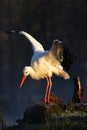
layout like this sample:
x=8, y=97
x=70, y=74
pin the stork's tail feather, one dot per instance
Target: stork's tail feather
x=64, y=74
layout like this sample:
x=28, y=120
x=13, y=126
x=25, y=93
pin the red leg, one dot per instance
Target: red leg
x=50, y=86
x=47, y=88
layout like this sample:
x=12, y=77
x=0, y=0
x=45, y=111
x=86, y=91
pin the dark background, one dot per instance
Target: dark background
x=45, y=20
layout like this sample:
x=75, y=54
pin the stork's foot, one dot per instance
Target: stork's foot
x=45, y=101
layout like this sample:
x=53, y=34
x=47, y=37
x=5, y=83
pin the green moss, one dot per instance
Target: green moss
x=55, y=122
x=70, y=107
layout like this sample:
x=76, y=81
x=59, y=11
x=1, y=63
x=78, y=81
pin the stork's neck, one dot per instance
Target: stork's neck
x=35, y=44
x=31, y=71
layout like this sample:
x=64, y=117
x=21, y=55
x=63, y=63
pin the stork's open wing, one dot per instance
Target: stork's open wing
x=63, y=54
x=57, y=50
x=35, y=44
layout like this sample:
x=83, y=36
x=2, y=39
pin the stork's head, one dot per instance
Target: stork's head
x=26, y=72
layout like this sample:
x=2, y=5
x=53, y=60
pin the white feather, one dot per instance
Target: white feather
x=35, y=44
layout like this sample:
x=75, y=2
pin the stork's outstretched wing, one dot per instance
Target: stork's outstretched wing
x=57, y=50
x=35, y=44
x=63, y=54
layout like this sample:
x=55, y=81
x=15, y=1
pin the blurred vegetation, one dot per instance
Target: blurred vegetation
x=70, y=107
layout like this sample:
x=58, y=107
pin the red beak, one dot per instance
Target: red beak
x=22, y=81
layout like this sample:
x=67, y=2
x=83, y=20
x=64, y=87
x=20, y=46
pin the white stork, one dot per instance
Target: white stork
x=44, y=63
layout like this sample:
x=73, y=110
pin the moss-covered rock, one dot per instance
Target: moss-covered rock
x=41, y=111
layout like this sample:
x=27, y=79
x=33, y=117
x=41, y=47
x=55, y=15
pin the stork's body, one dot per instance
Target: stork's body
x=44, y=63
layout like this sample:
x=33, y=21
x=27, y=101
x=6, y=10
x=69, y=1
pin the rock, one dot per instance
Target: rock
x=78, y=94
x=82, y=107
x=41, y=111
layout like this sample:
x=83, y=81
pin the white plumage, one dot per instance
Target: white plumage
x=35, y=44
x=44, y=63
